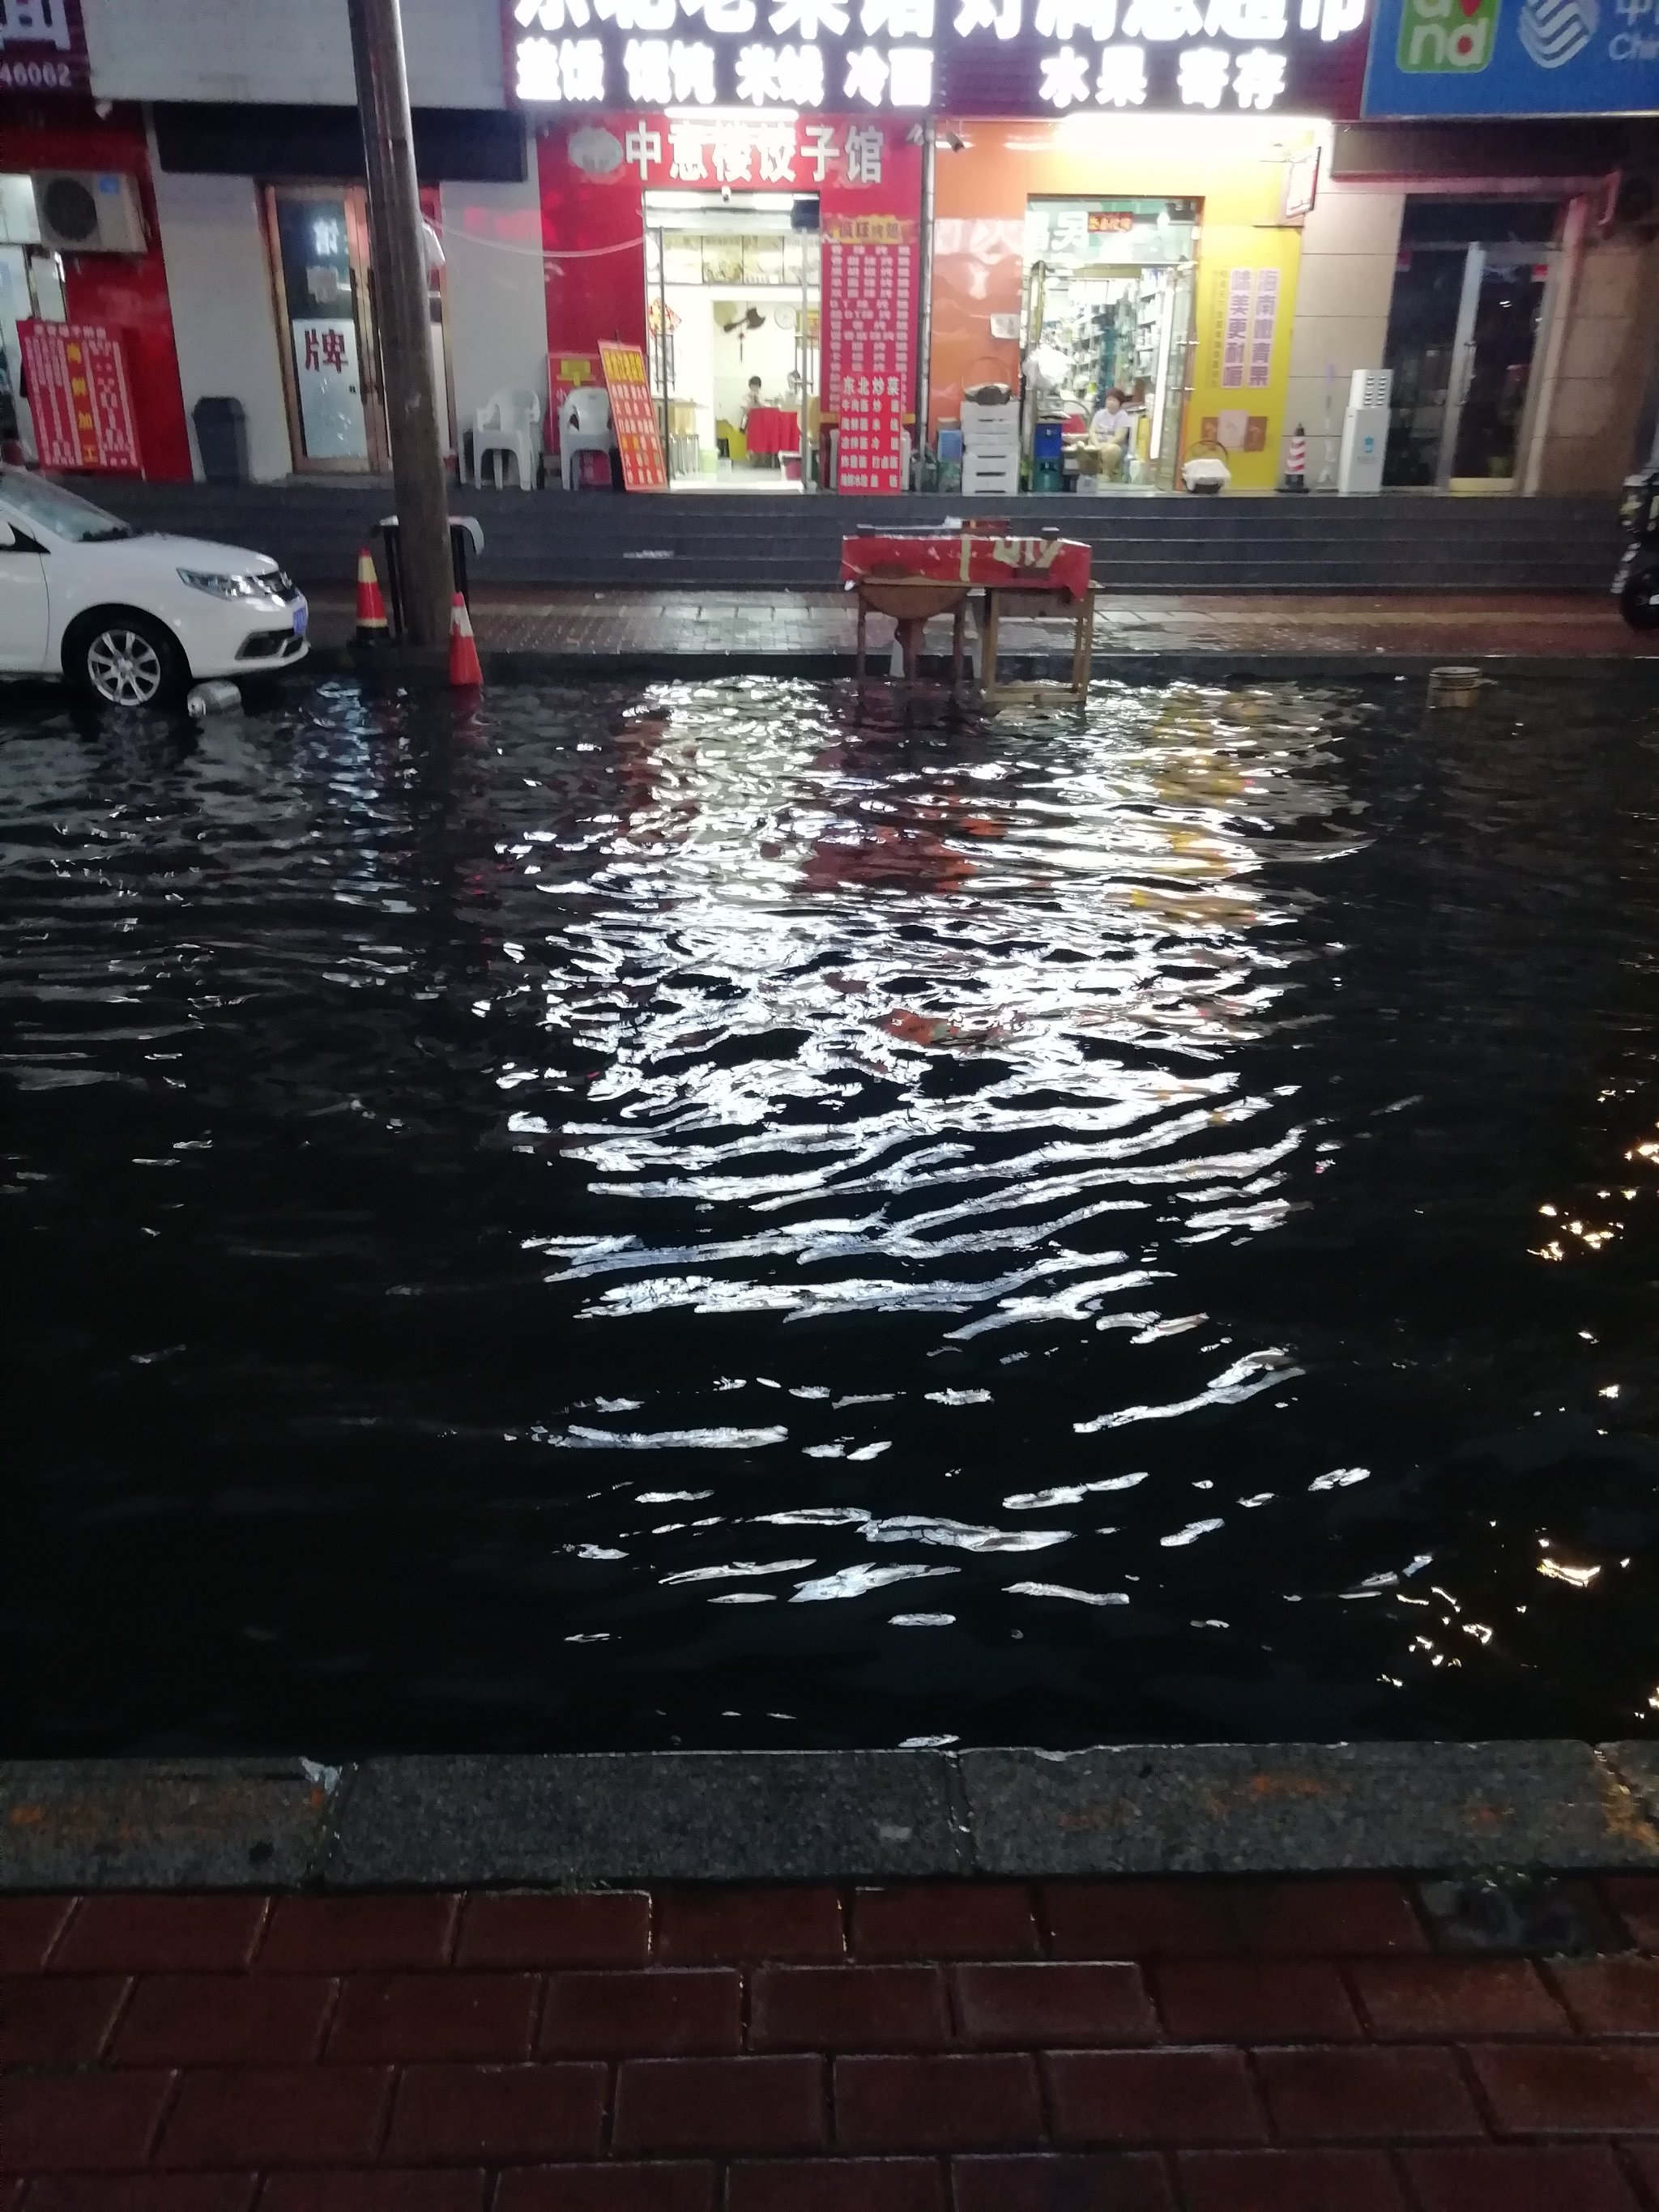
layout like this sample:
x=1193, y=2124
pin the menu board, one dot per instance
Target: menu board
x=79, y=399
x=632, y=417
x=869, y=345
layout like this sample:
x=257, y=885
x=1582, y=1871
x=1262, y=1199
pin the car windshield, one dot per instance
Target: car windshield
x=33, y=499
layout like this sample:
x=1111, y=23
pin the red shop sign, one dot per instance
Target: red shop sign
x=43, y=46
x=869, y=293
x=80, y=396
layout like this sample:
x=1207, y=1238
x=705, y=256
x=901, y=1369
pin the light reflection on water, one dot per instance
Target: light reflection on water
x=507, y=1213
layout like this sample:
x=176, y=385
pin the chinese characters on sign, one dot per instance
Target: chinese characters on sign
x=79, y=399
x=1247, y=338
x=869, y=283
x=1043, y=55
x=730, y=150
x=43, y=46
x=634, y=417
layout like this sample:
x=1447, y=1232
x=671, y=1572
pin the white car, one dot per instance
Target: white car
x=133, y=616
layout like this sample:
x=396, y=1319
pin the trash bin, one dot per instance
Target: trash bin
x=222, y=439
x=464, y=532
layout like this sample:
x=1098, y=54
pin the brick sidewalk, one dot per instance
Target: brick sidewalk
x=609, y=622
x=1341, y=2044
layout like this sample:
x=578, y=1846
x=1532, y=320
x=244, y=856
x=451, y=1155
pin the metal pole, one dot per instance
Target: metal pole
x=925, y=303
x=401, y=316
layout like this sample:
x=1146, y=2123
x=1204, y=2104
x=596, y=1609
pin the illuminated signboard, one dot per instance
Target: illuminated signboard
x=43, y=46
x=956, y=57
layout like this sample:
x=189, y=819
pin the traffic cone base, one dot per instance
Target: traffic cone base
x=371, y=626
x=464, y=673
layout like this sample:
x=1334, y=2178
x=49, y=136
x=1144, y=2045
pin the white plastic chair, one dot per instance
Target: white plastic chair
x=584, y=428
x=508, y=425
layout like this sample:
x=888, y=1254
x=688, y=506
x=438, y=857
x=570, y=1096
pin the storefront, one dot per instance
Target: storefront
x=1526, y=279
x=1133, y=225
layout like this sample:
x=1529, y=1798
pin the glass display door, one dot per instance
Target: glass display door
x=319, y=258
x=1462, y=338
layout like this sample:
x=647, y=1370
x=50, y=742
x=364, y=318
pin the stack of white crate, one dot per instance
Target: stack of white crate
x=990, y=446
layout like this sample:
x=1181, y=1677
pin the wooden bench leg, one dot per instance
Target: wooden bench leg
x=863, y=612
x=958, y=632
x=988, y=646
x=1083, y=651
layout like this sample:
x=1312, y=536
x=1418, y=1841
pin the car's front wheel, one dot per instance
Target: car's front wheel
x=126, y=659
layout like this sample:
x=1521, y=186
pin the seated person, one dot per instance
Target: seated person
x=752, y=400
x=1113, y=422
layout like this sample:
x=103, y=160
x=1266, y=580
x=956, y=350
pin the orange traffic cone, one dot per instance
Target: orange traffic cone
x=372, y=628
x=464, y=673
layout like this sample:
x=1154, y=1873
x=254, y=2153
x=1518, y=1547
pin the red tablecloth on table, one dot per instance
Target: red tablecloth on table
x=773, y=430
x=1031, y=564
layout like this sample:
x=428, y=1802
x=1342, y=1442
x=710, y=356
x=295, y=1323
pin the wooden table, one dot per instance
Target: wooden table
x=912, y=601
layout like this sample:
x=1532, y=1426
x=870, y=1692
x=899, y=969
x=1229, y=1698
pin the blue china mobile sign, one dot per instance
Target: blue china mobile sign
x=1513, y=58
x=958, y=57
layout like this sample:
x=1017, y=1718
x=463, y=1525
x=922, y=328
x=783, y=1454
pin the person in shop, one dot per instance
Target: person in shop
x=1112, y=423
x=752, y=400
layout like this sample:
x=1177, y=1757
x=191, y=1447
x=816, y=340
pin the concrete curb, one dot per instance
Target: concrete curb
x=1218, y=664
x=581, y=1819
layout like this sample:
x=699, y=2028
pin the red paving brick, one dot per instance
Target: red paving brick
x=526, y=1930
x=945, y=1920
x=454, y=2015
x=117, y=1935
x=1105, y=2047
x=143, y=2192
x=1611, y=1996
x=49, y=2020
x=1139, y=1919
x=375, y=2192
x=1069, y=2004
x=1254, y=2001
x=1581, y=2177
x=944, y=2103
x=1361, y=2096
x=1439, y=1998
x=670, y=2186
x=1289, y=2181
x=276, y=2116
x=661, y=2013
x=703, y=1926
x=1635, y=1898
x=842, y=2184
x=29, y=1926
x=1153, y=2097
x=473, y=2115
x=849, y=2009
x=224, y=2019
x=362, y=1934
x=85, y=2123
x=1556, y=2088
x=714, y=2105
x=1126, y=2181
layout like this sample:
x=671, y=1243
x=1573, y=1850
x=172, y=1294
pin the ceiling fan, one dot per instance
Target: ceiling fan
x=751, y=320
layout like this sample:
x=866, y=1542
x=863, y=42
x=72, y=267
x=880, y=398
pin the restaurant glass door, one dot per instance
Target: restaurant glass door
x=318, y=238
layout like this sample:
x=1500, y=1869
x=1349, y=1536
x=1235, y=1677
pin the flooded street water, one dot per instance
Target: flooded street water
x=670, y=1215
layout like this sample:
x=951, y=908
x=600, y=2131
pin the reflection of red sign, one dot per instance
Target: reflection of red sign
x=632, y=417
x=1110, y=219
x=869, y=285
x=43, y=46
x=79, y=399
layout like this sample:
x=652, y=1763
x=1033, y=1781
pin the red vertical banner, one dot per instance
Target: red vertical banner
x=869, y=346
x=79, y=398
x=632, y=417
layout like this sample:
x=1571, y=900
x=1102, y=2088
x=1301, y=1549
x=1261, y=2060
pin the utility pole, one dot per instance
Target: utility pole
x=398, y=250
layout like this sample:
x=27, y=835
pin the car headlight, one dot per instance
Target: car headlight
x=228, y=587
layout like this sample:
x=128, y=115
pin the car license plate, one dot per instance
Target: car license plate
x=300, y=619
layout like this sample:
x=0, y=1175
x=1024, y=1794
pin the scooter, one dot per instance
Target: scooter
x=1636, y=584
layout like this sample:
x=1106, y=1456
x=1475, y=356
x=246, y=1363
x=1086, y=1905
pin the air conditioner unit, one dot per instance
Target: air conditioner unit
x=89, y=211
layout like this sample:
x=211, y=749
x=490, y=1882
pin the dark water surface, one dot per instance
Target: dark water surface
x=670, y=1217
